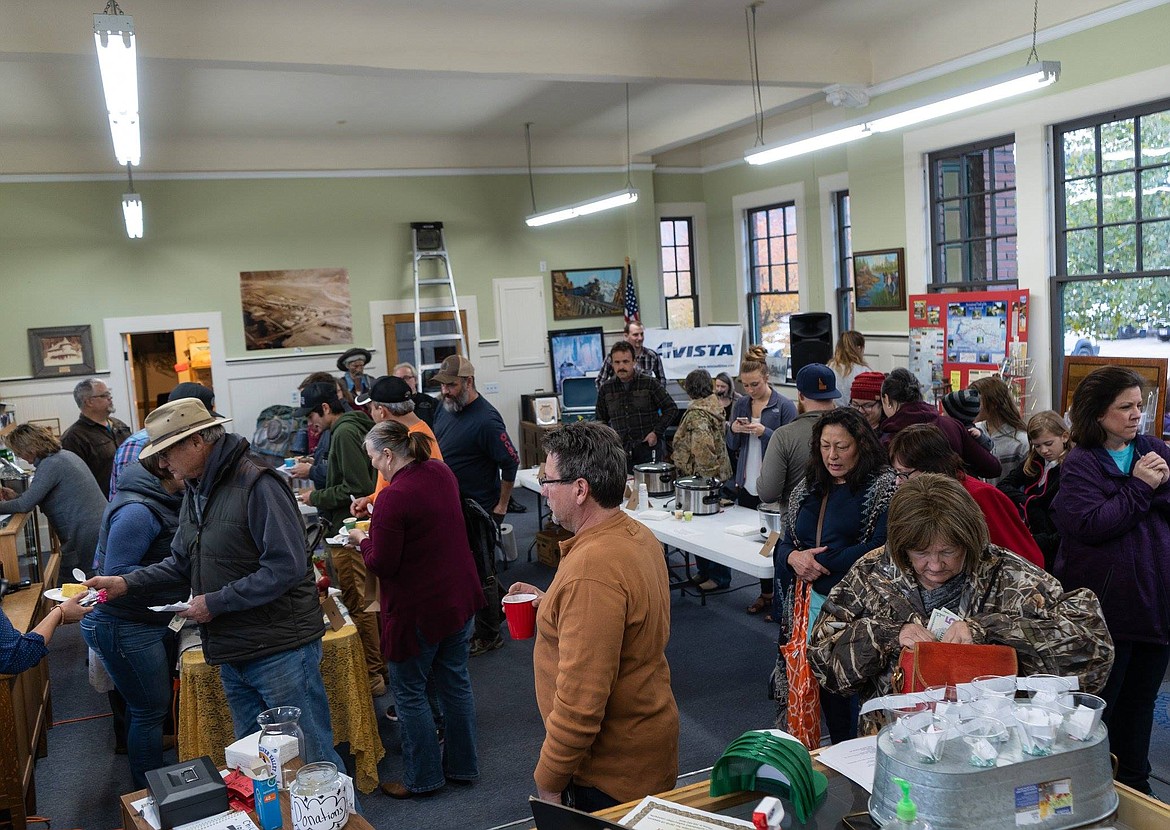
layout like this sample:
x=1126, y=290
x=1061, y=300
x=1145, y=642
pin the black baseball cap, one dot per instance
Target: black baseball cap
x=817, y=382
x=386, y=389
x=315, y=394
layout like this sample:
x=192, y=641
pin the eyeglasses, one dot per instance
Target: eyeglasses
x=106, y=395
x=162, y=454
x=903, y=475
x=542, y=481
x=864, y=406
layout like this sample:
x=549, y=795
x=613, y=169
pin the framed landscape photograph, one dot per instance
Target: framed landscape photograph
x=879, y=280
x=62, y=350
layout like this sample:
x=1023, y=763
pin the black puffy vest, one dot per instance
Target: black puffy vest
x=221, y=550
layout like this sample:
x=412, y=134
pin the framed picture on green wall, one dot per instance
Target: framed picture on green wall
x=879, y=280
x=587, y=292
x=62, y=350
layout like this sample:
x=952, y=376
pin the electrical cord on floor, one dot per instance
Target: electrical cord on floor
x=82, y=718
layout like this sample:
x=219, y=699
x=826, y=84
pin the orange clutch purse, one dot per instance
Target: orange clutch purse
x=935, y=664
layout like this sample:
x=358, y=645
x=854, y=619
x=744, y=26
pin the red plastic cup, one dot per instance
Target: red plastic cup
x=521, y=615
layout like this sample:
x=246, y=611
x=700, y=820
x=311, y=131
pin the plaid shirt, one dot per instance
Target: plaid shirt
x=128, y=452
x=635, y=409
x=648, y=363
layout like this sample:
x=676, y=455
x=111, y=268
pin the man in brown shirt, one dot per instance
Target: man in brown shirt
x=602, y=680
x=96, y=434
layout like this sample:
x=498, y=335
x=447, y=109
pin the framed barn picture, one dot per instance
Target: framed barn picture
x=62, y=350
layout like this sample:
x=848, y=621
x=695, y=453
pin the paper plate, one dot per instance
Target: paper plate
x=56, y=596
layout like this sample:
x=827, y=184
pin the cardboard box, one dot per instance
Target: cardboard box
x=548, y=541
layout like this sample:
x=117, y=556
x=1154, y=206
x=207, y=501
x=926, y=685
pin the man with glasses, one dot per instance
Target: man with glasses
x=425, y=406
x=602, y=679
x=96, y=435
x=240, y=547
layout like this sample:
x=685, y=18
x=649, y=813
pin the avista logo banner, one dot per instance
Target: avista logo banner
x=714, y=348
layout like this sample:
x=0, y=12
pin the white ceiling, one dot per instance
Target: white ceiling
x=285, y=85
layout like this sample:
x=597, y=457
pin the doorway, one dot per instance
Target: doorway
x=159, y=360
x=398, y=331
x=118, y=330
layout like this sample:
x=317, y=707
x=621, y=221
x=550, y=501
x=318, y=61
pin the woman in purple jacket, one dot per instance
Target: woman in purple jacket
x=1113, y=513
x=429, y=590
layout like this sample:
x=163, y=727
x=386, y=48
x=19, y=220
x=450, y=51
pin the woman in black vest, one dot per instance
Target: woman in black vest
x=134, y=643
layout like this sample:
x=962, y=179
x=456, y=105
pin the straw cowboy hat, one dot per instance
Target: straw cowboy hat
x=174, y=421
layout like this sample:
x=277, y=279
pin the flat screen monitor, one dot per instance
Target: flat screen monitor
x=575, y=353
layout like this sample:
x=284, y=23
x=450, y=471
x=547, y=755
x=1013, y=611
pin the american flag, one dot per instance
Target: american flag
x=631, y=297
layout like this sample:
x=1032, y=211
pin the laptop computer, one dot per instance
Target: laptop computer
x=550, y=816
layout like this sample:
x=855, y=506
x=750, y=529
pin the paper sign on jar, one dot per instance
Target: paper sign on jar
x=323, y=810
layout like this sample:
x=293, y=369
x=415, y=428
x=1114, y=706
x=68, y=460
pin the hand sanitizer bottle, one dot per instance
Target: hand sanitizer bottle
x=907, y=811
x=643, y=498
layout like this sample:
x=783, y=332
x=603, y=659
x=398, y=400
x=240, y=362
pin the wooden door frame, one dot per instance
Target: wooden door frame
x=391, y=319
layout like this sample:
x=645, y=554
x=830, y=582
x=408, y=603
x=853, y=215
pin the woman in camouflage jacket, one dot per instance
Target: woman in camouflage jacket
x=700, y=448
x=937, y=555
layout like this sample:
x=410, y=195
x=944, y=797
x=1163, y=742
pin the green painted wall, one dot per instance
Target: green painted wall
x=65, y=258
x=876, y=168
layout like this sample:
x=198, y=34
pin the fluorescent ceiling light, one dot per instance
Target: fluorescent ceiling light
x=594, y=205
x=132, y=210
x=113, y=35
x=767, y=155
x=1017, y=82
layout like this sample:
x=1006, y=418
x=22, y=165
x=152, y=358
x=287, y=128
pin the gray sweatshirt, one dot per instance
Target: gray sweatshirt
x=67, y=492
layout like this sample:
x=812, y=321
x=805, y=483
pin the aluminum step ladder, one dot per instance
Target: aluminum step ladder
x=429, y=245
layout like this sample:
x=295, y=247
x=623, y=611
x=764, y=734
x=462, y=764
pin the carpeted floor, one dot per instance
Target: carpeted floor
x=719, y=656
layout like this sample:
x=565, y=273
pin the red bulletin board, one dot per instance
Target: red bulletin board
x=979, y=329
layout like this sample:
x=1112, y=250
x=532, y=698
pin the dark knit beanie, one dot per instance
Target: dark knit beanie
x=962, y=405
x=867, y=386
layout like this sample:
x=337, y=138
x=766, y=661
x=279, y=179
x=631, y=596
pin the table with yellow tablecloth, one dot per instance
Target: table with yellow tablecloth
x=205, y=722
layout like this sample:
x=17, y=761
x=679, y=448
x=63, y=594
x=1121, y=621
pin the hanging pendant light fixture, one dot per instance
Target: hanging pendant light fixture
x=113, y=34
x=1028, y=78
x=132, y=209
x=625, y=196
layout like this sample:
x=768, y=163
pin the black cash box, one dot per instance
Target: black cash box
x=187, y=792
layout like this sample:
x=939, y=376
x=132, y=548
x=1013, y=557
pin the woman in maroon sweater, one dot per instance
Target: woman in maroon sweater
x=417, y=546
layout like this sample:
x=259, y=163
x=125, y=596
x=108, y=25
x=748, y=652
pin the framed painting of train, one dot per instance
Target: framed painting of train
x=587, y=292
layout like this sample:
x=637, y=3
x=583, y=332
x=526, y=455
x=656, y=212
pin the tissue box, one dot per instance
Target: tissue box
x=244, y=754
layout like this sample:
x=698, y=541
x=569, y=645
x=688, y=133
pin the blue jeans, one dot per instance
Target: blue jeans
x=138, y=659
x=287, y=678
x=720, y=574
x=423, y=765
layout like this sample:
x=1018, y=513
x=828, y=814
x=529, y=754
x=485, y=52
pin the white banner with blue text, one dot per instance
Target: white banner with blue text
x=714, y=348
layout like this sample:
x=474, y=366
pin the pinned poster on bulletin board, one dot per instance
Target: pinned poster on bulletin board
x=978, y=332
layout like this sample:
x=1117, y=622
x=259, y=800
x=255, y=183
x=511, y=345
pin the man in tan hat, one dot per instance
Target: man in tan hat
x=476, y=446
x=240, y=546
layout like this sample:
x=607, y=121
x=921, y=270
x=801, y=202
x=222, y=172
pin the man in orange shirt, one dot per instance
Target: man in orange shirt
x=390, y=400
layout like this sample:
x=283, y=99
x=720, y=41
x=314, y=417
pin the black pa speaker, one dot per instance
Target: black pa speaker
x=428, y=235
x=812, y=339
